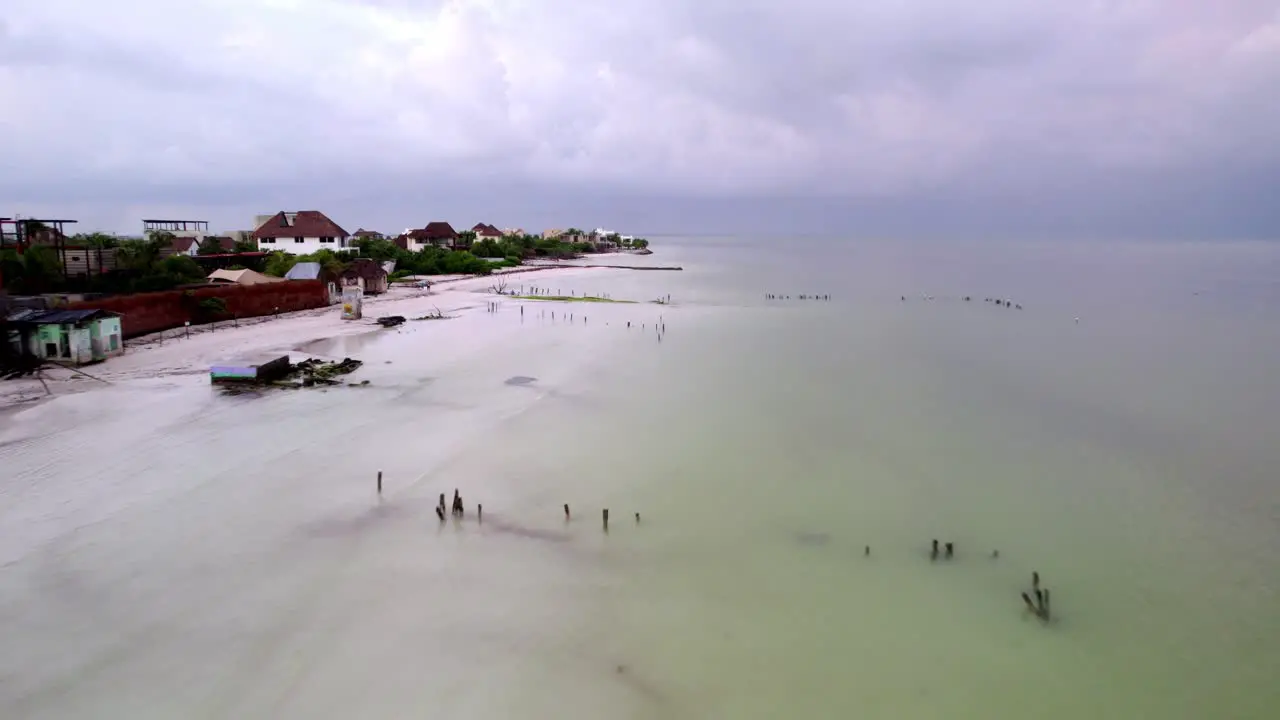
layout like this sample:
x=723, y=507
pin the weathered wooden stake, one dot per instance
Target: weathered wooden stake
x=479, y=512
x=637, y=518
x=1046, y=603
x=379, y=482
x=933, y=554
x=566, y=512
x=440, y=513
x=950, y=551
x=866, y=552
x=1035, y=579
x=1030, y=605
x=606, y=518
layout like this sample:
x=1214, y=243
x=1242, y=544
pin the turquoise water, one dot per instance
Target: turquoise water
x=204, y=556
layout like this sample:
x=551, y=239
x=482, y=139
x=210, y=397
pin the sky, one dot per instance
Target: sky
x=1097, y=118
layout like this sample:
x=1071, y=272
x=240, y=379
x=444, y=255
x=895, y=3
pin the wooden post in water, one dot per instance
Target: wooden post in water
x=379, y=482
x=479, y=512
x=637, y=518
x=566, y=512
x=605, y=515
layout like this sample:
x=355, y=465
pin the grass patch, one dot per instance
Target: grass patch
x=571, y=298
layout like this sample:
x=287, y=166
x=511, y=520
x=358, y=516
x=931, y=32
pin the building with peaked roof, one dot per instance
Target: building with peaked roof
x=435, y=234
x=71, y=336
x=367, y=274
x=363, y=234
x=301, y=233
x=485, y=231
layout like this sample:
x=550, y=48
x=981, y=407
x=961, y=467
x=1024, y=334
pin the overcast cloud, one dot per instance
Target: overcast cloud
x=911, y=116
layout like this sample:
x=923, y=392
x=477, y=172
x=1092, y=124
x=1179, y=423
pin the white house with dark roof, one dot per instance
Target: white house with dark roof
x=301, y=233
x=484, y=231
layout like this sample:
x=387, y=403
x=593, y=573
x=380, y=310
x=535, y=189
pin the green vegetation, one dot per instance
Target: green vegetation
x=140, y=267
x=210, y=246
x=35, y=271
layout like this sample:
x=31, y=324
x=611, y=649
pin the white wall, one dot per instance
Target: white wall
x=302, y=246
x=416, y=245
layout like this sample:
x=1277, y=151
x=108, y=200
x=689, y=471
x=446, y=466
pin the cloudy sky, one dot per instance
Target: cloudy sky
x=913, y=117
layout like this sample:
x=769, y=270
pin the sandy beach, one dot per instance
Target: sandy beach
x=463, y=298
x=170, y=550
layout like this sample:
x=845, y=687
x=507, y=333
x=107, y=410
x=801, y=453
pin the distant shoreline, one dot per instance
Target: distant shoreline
x=191, y=351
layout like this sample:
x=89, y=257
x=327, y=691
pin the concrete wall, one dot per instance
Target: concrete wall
x=78, y=349
x=107, y=337
x=302, y=246
x=150, y=312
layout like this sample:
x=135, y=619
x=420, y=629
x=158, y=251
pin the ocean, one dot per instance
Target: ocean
x=168, y=551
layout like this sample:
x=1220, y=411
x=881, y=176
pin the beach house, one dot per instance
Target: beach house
x=367, y=274
x=435, y=234
x=76, y=337
x=484, y=231
x=300, y=233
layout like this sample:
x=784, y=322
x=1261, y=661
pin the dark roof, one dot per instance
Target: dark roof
x=181, y=244
x=485, y=229
x=364, y=267
x=58, y=317
x=435, y=231
x=362, y=233
x=306, y=223
x=224, y=242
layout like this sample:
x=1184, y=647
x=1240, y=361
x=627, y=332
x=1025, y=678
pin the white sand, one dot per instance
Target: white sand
x=174, y=353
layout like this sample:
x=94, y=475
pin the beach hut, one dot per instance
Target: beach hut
x=366, y=274
x=77, y=337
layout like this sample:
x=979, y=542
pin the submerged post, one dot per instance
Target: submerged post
x=605, y=515
x=379, y=482
x=566, y=512
x=933, y=554
x=479, y=512
x=950, y=551
x=637, y=518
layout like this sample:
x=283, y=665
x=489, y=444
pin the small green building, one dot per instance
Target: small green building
x=77, y=337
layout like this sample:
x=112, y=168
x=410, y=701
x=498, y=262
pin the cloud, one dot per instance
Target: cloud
x=143, y=101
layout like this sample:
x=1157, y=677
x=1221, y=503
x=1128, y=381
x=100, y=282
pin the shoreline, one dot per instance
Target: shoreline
x=189, y=351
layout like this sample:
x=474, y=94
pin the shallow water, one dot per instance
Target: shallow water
x=166, y=551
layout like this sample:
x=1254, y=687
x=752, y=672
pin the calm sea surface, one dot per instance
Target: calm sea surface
x=167, y=552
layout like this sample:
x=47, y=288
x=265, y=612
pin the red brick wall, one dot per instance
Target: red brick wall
x=149, y=312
